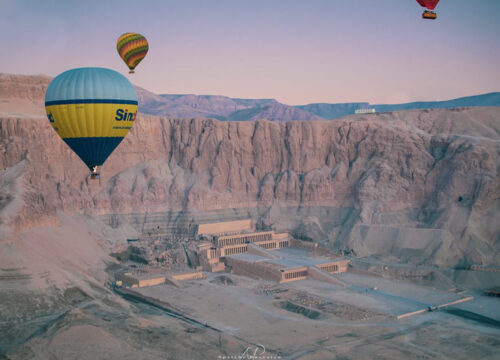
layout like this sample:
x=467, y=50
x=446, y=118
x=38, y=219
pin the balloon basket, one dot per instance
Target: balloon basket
x=430, y=15
x=131, y=72
x=94, y=173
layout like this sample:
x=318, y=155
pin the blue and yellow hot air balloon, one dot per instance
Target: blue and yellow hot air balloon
x=92, y=110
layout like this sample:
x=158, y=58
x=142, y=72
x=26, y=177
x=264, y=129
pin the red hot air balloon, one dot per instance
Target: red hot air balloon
x=431, y=5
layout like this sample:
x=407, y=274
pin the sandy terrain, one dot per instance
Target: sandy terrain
x=56, y=303
x=352, y=323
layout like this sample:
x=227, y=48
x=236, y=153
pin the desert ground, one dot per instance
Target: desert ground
x=309, y=319
x=58, y=302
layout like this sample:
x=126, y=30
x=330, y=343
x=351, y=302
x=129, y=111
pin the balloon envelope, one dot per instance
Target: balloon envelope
x=92, y=110
x=132, y=48
x=429, y=4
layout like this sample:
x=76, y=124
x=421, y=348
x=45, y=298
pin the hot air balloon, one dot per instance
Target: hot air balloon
x=431, y=5
x=132, y=48
x=92, y=110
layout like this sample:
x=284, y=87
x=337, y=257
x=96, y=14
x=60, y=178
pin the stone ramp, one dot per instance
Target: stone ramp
x=321, y=275
x=258, y=250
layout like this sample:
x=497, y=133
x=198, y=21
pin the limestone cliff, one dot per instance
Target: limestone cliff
x=422, y=184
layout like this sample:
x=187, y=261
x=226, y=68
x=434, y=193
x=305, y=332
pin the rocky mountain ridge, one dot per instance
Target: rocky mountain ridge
x=27, y=92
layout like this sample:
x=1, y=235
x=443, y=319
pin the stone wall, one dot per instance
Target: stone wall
x=334, y=267
x=257, y=270
x=151, y=281
x=294, y=274
x=242, y=238
x=224, y=227
x=234, y=249
x=134, y=281
x=188, y=276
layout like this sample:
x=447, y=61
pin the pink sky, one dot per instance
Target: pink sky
x=297, y=52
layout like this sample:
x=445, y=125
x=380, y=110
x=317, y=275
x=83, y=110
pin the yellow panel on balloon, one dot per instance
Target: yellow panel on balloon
x=91, y=119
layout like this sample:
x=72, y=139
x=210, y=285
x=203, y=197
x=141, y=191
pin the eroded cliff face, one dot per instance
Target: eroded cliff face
x=434, y=169
x=383, y=161
x=424, y=180
x=22, y=95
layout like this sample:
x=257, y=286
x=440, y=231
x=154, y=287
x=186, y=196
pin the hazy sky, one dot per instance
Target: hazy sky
x=297, y=51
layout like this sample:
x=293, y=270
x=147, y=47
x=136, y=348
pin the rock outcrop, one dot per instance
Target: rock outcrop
x=428, y=169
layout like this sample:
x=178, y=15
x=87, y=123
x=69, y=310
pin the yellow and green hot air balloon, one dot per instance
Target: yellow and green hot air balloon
x=132, y=48
x=92, y=110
